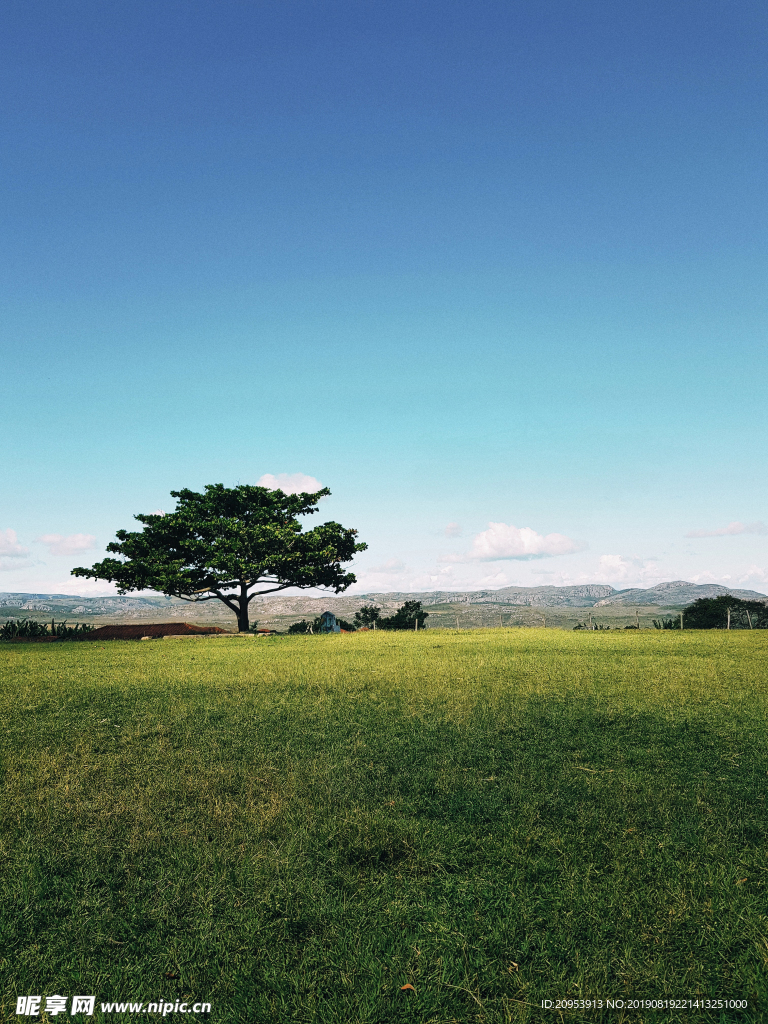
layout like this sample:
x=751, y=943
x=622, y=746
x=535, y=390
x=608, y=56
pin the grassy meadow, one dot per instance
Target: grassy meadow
x=294, y=828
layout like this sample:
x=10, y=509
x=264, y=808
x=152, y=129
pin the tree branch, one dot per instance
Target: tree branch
x=229, y=602
x=258, y=593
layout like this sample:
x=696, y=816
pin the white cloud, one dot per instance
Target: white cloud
x=392, y=565
x=754, y=574
x=290, y=483
x=622, y=571
x=12, y=554
x=731, y=530
x=76, y=587
x=494, y=580
x=705, y=576
x=627, y=569
x=60, y=545
x=9, y=563
x=501, y=541
x=9, y=545
x=395, y=575
x=453, y=530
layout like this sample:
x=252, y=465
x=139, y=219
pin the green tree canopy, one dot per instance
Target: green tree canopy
x=712, y=613
x=406, y=617
x=367, y=615
x=299, y=627
x=230, y=544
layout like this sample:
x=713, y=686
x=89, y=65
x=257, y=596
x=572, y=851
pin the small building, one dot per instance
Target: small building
x=328, y=623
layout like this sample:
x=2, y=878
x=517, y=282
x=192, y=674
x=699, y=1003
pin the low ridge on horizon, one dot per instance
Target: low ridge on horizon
x=676, y=592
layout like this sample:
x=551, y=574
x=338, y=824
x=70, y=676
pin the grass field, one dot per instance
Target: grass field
x=294, y=828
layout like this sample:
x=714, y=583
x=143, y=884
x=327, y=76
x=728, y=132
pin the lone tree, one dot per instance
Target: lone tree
x=230, y=544
x=406, y=617
x=367, y=616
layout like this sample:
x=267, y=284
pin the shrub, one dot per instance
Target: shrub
x=70, y=632
x=367, y=616
x=30, y=628
x=22, y=628
x=712, y=613
x=405, y=617
x=299, y=627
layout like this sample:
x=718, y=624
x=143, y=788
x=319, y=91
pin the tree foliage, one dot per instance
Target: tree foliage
x=22, y=628
x=313, y=627
x=299, y=627
x=231, y=545
x=405, y=617
x=712, y=613
x=30, y=628
x=366, y=616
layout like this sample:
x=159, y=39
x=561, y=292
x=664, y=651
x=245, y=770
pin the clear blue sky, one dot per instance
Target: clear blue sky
x=465, y=263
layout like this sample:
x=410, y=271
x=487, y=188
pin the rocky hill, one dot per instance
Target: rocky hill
x=483, y=604
x=539, y=597
x=677, y=593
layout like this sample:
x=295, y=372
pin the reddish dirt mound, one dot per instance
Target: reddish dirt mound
x=33, y=640
x=153, y=629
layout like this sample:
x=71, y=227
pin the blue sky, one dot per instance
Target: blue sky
x=464, y=263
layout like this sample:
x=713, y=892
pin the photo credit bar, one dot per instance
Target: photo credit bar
x=162, y=1007
x=33, y=1006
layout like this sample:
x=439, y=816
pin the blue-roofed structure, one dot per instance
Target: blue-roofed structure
x=328, y=623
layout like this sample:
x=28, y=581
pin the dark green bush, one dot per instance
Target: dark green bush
x=23, y=628
x=405, y=617
x=299, y=627
x=712, y=613
x=367, y=616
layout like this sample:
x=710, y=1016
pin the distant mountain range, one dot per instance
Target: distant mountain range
x=588, y=595
x=159, y=608
x=677, y=593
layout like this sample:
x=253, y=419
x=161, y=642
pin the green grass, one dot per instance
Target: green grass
x=297, y=827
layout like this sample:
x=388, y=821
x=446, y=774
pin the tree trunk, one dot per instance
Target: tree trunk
x=242, y=612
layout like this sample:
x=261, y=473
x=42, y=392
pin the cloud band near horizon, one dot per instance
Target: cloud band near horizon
x=502, y=541
x=731, y=530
